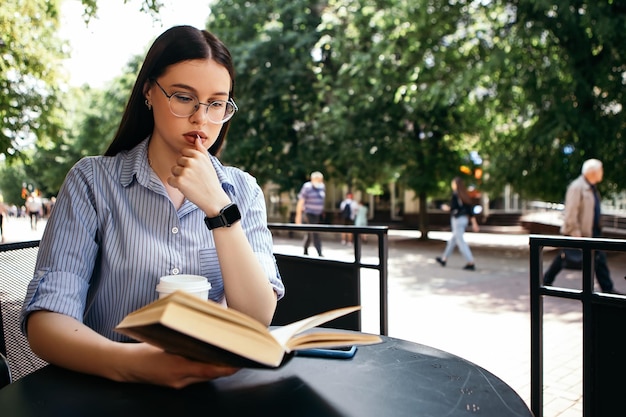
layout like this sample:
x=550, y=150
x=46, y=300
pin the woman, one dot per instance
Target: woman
x=461, y=214
x=124, y=219
x=360, y=220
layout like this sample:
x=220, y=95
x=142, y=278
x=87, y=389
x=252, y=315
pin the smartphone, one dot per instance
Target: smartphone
x=344, y=352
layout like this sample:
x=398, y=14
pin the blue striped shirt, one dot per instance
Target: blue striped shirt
x=313, y=198
x=114, y=232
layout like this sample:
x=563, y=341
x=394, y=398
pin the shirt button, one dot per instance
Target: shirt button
x=175, y=271
x=174, y=230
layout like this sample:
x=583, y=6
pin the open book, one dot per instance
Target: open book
x=205, y=331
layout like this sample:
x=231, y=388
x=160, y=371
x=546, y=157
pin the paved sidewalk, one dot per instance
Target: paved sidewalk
x=17, y=229
x=482, y=316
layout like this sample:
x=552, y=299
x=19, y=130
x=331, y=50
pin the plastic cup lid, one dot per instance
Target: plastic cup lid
x=191, y=283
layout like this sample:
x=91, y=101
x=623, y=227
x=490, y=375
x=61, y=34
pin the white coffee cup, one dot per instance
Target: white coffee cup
x=193, y=284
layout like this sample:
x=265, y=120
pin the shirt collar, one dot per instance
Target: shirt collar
x=135, y=165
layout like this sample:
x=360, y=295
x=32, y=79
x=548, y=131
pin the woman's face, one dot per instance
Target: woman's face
x=203, y=78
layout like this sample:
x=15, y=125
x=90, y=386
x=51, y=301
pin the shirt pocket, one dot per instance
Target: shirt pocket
x=210, y=268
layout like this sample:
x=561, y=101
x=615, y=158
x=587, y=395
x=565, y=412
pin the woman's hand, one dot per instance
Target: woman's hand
x=65, y=342
x=195, y=177
x=148, y=364
x=475, y=227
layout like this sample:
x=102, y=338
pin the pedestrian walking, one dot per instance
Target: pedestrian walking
x=347, y=212
x=34, y=206
x=310, y=209
x=581, y=218
x=360, y=220
x=3, y=218
x=461, y=214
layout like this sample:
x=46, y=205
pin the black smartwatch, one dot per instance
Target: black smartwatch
x=227, y=217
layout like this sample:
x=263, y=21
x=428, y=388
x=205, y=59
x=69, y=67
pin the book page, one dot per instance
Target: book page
x=326, y=339
x=284, y=333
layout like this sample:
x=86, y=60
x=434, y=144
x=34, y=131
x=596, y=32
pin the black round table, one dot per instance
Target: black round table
x=393, y=378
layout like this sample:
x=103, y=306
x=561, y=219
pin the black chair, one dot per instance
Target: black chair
x=5, y=371
x=17, y=265
x=314, y=285
x=308, y=281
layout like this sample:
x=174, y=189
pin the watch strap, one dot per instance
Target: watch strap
x=226, y=218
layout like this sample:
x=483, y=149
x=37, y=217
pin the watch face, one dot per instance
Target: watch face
x=231, y=214
x=228, y=215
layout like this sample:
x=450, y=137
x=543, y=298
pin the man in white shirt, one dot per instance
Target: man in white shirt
x=33, y=207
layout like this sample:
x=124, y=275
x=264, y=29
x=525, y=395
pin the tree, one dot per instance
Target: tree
x=31, y=98
x=271, y=44
x=562, y=75
x=12, y=177
x=400, y=81
x=93, y=119
x=30, y=107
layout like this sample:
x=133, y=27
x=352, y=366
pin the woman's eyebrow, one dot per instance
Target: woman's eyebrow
x=188, y=87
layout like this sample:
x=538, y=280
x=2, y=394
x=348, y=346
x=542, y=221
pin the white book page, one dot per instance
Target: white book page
x=284, y=333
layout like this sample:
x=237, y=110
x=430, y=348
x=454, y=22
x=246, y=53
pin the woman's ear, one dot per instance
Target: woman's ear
x=147, y=92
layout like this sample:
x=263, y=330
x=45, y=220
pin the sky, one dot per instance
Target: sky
x=100, y=50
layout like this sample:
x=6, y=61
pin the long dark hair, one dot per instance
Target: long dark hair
x=177, y=44
x=461, y=190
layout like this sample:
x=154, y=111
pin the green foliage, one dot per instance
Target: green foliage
x=30, y=107
x=399, y=82
x=93, y=116
x=358, y=89
x=271, y=46
x=563, y=66
x=367, y=91
x=11, y=179
x=151, y=7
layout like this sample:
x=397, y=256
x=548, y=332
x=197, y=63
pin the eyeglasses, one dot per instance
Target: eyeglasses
x=185, y=104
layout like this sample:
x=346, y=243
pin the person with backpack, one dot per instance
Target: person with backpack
x=347, y=210
x=310, y=209
x=461, y=215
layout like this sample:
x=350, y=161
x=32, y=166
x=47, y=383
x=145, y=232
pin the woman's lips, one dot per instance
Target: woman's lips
x=192, y=137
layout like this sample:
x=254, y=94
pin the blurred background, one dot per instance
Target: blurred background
x=389, y=99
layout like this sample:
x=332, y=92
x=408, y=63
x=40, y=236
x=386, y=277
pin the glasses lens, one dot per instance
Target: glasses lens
x=183, y=105
x=218, y=111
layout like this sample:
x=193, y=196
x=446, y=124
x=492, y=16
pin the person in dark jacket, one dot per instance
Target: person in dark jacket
x=461, y=214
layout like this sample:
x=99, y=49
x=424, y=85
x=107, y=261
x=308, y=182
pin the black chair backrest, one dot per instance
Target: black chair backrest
x=317, y=285
x=17, y=265
x=5, y=371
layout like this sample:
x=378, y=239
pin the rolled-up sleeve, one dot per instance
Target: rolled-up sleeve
x=63, y=271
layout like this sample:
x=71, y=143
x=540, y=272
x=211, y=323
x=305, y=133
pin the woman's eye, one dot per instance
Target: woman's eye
x=184, y=98
x=218, y=104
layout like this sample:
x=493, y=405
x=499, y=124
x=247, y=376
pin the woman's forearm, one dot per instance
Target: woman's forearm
x=66, y=342
x=246, y=285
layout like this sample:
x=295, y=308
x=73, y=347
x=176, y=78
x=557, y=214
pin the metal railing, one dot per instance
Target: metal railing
x=381, y=232
x=603, y=315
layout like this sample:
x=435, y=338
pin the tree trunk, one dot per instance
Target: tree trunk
x=423, y=222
